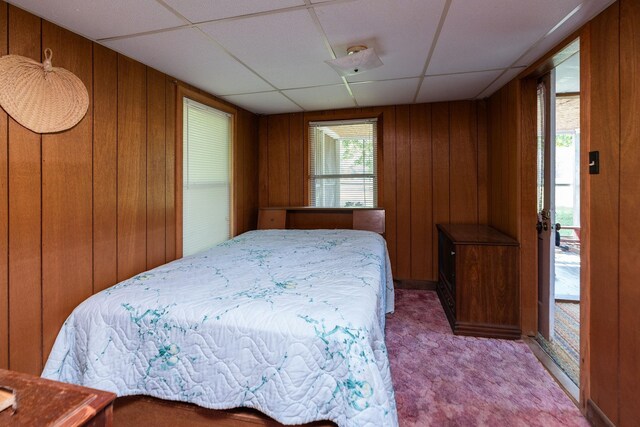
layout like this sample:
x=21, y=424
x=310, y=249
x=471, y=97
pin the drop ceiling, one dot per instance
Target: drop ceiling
x=268, y=56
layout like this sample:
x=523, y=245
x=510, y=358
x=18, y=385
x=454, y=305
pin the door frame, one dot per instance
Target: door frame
x=527, y=86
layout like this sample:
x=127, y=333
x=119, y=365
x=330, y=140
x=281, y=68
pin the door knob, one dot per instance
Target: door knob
x=558, y=226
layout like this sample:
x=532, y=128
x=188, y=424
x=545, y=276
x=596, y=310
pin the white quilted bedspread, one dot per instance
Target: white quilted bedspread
x=289, y=322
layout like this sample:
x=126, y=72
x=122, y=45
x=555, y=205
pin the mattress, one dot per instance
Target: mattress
x=289, y=322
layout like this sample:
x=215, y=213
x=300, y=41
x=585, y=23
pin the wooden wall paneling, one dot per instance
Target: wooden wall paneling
x=629, y=208
x=178, y=151
x=585, y=219
x=4, y=213
x=493, y=123
x=246, y=173
x=170, y=168
x=464, y=163
x=604, y=227
x=403, y=191
x=239, y=172
x=67, y=212
x=105, y=166
x=132, y=168
x=504, y=207
x=25, y=286
x=297, y=180
x=513, y=163
x=389, y=171
x=263, y=162
x=251, y=178
x=156, y=169
x=483, y=165
x=440, y=150
x=528, y=235
x=278, y=160
x=421, y=202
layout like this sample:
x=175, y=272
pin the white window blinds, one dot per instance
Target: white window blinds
x=206, y=178
x=343, y=164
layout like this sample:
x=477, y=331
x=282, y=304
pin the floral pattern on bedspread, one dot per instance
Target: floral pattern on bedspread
x=289, y=322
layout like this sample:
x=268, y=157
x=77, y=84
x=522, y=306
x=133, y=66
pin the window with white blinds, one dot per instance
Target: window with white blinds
x=343, y=164
x=206, y=176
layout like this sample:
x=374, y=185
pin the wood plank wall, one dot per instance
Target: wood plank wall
x=610, y=124
x=509, y=211
x=629, y=291
x=604, y=230
x=615, y=203
x=85, y=208
x=434, y=170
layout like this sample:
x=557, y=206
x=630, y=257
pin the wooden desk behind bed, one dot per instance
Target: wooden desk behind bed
x=143, y=410
x=308, y=218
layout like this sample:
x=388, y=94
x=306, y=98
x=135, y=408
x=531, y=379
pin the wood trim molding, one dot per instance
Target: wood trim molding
x=552, y=59
x=596, y=417
x=185, y=92
x=421, y=285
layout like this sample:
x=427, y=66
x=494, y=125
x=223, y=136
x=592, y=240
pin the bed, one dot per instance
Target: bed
x=288, y=322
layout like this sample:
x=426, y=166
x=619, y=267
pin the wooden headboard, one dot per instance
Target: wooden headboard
x=307, y=218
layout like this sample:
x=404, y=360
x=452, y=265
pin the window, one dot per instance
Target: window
x=206, y=177
x=343, y=164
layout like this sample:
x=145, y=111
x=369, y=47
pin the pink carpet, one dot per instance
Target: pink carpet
x=446, y=380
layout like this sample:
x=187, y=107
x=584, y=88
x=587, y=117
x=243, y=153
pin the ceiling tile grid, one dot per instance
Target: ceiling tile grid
x=482, y=35
x=400, y=31
x=268, y=56
x=321, y=97
x=208, y=10
x=264, y=103
x=96, y=19
x=455, y=87
x=285, y=48
x=210, y=68
x=386, y=92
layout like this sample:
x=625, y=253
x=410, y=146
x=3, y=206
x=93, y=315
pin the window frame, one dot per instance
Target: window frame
x=185, y=92
x=364, y=115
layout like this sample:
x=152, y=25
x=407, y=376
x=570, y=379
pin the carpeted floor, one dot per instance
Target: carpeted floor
x=446, y=380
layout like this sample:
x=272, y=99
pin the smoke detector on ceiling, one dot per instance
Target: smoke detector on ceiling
x=358, y=60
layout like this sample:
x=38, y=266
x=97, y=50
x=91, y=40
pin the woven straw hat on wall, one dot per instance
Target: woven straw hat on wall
x=39, y=96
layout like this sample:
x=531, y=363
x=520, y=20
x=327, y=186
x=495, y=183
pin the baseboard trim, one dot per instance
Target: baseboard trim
x=596, y=417
x=423, y=285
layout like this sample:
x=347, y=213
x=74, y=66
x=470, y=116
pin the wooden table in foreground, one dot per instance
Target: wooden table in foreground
x=44, y=402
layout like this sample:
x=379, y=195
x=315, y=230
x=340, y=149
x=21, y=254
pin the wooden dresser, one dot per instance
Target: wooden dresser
x=478, y=280
x=51, y=403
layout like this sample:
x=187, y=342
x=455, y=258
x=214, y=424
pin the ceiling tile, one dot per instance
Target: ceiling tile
x=101, y=19
x=321, y=98
x=400, y=31
x=511, y=74
x=584, y=14
x=207, y=10
x=193, y=58
x=389, y=92
x=285, y=48
x=454, y=87
x=264, y=103
x=482, y=35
